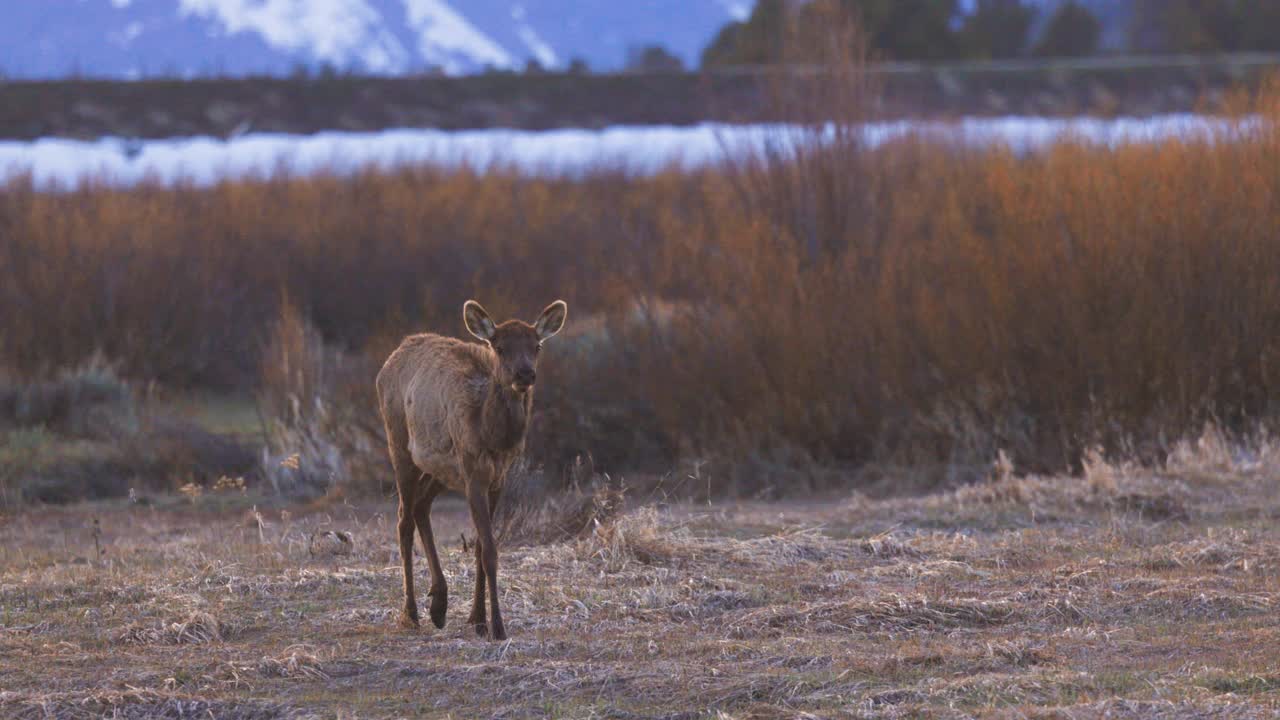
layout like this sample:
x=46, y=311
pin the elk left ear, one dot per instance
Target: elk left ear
x=477, y=321
x=551, y=319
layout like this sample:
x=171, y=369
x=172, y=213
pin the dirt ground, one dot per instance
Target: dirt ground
x=1125, y=593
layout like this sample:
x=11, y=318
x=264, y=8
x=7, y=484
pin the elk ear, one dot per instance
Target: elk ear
x=551, y=319
x=477, y=321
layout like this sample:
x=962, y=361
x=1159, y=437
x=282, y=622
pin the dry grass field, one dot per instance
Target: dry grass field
x=1121, y=593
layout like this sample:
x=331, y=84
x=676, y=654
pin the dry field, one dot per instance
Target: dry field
x=1125, y=592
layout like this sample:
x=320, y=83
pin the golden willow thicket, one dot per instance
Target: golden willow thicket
x=915, y=302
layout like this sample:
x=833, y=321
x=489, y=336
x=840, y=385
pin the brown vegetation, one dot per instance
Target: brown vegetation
x=916, y=302
x=88, y=432
x=1017, y=597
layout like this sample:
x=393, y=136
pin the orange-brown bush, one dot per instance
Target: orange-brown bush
x=916, y=301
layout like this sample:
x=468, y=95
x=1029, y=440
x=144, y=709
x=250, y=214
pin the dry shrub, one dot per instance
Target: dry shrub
x=1186, y=604
x=1229, y=551
x=196, y=628
x=637, y=537
x=298, y=661
x=321, y=430
x=824, y=304
x=891, y=613
x=792, y=547
x=90, y=400
x=90, y=433
x=525, y=518
x=888, y=545
x=330, y=543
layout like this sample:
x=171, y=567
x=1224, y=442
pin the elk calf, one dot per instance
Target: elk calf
x=456, y=415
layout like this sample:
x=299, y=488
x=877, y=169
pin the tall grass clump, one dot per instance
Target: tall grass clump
x=322, y=431
x=820, y=304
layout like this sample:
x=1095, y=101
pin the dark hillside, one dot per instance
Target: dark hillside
x=220, y=107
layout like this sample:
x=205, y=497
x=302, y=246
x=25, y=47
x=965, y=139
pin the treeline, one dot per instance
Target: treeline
x=941, y=30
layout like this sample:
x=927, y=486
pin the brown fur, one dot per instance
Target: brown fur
x=456, y=415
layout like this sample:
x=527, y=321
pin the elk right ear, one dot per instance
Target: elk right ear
x=477, y=321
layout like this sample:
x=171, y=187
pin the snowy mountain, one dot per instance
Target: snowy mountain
x=141, y=38
x=133, y=38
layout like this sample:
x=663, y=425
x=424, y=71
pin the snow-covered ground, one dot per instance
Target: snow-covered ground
x=60, y=163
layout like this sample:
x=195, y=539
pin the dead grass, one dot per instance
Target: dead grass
x=133, y=704
x=199, y=627
x=1027, y=597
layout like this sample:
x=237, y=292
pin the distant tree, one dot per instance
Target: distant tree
x=997, y=29
x=893, y=29
x=533, y=66
x=1259, y=26
x=653, y=58
x=1182, y=26
x=757, y=41
x=1073, y=31
x=725, y=48
x=1205, y=26
x=578, y=66
x=908, y=29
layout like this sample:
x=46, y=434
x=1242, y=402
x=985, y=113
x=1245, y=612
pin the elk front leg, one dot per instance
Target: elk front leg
x=487, y=550
x=478, y=619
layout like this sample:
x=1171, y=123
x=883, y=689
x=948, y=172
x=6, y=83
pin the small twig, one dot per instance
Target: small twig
x=97, y=537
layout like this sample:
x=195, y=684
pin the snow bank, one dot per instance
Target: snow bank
x=60, y=163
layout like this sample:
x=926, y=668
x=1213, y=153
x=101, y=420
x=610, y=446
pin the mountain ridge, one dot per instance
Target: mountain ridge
x=128, y=39
x=186, y=38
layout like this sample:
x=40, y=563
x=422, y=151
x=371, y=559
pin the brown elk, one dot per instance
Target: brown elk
x=456, y=414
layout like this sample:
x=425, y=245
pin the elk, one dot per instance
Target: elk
x=456, y=414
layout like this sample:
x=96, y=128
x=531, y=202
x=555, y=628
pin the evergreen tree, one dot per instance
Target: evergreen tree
x=1205, y=26
x=757, y=41
x=653, y=58
x=1073, y=31
x=997, y=29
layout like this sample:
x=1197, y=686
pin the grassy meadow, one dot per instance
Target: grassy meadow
x=1124, y=592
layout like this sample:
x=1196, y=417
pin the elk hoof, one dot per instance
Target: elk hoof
x=499, y=633
x=439, y=605
x=409, y=621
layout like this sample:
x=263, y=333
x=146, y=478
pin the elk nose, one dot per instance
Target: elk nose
x=525, y=376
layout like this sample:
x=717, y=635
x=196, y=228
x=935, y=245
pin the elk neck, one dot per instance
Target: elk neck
x=504, y=416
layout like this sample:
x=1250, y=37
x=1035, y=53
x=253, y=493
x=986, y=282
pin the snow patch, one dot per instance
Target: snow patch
x=739, y=10
x=540, y=49
x=445, y=37
x=59, y=163
x=341, y=32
